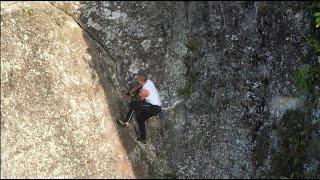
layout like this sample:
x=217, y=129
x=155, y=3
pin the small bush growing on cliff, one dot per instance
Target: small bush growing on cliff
x=192, y=44
x=295, y=135
x=317, y=16
x=314, y=43
x=300, y=76
x=28, y=11
x=185, y=91
x=314, y=40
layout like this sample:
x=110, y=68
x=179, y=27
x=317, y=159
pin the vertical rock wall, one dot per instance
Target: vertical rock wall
x=228, y=75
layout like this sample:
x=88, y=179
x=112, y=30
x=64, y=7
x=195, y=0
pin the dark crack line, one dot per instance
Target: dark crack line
x=84, y=29
x=92, y=37
x=101, y=46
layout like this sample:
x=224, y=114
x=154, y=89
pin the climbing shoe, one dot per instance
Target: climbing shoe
x=125, y=124
x=144, y=141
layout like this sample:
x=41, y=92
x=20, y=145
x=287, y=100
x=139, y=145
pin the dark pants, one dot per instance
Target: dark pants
x=143, y=112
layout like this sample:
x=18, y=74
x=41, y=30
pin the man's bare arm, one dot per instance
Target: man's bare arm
x=134, y=89
x=143, y=94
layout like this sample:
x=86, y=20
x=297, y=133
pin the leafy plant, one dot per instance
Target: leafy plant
x=317, y=20
x=185, y=91
x=27, y=10
x=314, y=43
x=300, y=76
x=295, y=133
x=314, y=38
x=314, y=4
x=192, y=44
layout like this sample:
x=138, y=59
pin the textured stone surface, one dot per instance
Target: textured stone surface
x=57, y=113
x=225, y=71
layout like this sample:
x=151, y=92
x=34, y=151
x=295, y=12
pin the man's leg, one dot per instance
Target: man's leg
x=128, y=118
x=155, y=110
x=142, y=127
x=143, y=116
x=141, y=109
x=143, y=112
x=129, y=115
x=134, y=108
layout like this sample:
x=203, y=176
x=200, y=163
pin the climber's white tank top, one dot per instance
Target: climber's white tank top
x=153, y=97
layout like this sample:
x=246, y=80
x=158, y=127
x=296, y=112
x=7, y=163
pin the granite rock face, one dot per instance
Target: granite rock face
x=226, y=72
x=57, y=113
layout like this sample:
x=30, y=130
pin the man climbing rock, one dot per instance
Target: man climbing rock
x=148, y=104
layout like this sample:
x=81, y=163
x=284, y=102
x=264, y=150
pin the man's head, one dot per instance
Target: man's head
x=141, y=78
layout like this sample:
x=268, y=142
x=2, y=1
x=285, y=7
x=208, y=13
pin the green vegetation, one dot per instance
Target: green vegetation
x=192, y=44
x=314, y=38
x=186, y=3
x=313, y=43
x=295, y=129
x=208, y=90
x=170, y=176
x=154, y=175
x=313, y=80
x=300, y=77
x=211, y=34
x=313, y=74
x=27, y=10
x=262, y=8
x=295, y=132
x=143, y=157
x=184, y=92
x=308, y=78
x=317, y=20
x=314, y=5
x=194, y=76
x=262, y=148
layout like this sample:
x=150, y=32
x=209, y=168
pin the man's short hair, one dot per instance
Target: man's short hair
x=142, y=75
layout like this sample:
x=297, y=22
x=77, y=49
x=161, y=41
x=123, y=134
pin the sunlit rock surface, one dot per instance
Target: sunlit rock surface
x=56, y=112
